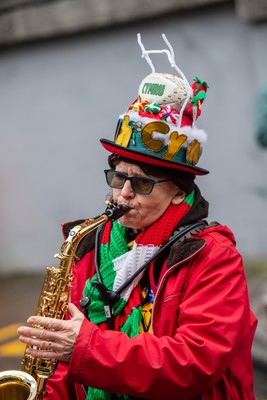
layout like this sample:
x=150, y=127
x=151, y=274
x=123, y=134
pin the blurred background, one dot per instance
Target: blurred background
x=67, y=70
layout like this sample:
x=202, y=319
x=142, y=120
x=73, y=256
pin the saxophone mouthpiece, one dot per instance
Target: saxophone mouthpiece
x=115, y=211
x=125, y=208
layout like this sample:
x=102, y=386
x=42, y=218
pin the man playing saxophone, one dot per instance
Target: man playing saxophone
x=159, y=306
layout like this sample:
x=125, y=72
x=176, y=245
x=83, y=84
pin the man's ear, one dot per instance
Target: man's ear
x=178, y=197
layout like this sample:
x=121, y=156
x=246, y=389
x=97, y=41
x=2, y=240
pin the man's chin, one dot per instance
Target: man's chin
x=131, y=224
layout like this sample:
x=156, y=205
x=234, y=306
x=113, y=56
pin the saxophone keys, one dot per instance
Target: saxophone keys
x=57, y=255
x=64, y=297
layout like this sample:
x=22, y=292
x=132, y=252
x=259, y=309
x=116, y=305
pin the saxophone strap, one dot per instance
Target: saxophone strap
x=110, y=297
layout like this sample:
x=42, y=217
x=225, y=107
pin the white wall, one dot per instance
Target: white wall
x=58, y=98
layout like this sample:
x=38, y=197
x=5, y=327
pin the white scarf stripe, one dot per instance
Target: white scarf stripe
x=126, y=264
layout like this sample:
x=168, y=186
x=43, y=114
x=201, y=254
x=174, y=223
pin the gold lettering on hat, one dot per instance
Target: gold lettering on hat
x=193, y=151
x=175, y=144
x=125, y=132
x=176, y=140
x=146, y=135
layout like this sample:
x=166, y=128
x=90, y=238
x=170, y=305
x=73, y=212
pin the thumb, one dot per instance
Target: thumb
x=73, y=310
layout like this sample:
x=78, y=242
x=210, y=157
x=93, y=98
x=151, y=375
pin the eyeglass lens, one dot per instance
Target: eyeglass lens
x=141, y=185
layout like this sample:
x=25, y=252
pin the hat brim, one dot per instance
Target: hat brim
x=148, y=159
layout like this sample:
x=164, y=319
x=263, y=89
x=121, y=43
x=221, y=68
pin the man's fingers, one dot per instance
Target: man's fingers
x=42, y=353
x=54, y=323
x=46, y=322
x=38, y=333
x=39, y=343
x=56, y=352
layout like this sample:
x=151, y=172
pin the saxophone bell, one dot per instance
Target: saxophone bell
x=17, y=385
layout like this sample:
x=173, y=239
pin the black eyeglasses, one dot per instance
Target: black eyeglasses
x=140, y=184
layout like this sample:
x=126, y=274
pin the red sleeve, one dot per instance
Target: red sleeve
x=58, y=387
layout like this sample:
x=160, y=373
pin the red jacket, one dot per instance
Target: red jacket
x=203, y=332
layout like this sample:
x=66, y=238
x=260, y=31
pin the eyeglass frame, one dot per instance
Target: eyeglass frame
x=132, y=179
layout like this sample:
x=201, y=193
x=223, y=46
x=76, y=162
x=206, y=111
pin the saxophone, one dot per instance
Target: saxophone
x=29, y=383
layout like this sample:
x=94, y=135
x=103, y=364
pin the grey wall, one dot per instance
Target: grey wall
x=58, y=98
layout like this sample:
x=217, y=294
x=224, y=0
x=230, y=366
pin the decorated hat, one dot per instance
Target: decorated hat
x=159, y=126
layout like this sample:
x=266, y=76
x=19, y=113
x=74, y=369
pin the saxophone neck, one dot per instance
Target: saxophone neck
x=113, y=212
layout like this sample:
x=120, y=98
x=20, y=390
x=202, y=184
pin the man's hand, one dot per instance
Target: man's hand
x=55, y=338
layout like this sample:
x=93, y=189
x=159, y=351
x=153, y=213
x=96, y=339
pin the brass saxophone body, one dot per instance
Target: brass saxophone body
x=29, y=384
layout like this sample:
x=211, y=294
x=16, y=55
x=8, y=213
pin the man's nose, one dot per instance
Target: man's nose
x=127, y=189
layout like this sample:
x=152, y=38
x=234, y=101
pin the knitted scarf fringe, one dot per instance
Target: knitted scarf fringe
x=131, y=326
x=97, y=394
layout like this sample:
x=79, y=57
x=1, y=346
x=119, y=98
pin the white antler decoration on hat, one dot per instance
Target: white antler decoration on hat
x=170, y=55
